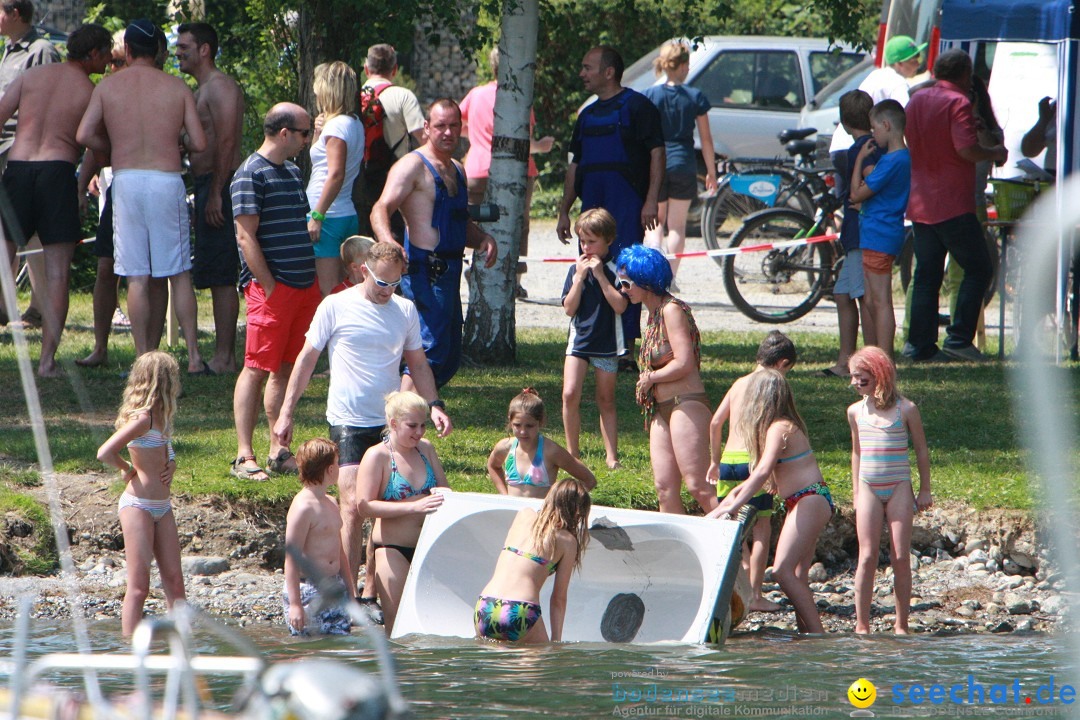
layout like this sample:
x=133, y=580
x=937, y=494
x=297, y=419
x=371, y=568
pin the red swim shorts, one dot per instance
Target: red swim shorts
x=877, y=263
x=276, y=326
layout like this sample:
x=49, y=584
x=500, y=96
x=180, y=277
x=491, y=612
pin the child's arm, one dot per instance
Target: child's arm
x=109, y=452
x=562, y=583
x=496, y=461
x=913, y=420
x=716, y=438
x=856, y=450
x=572, y=296
x=615, y=299
x=860, y=191
x=774, y=445
x=297, y=525
x=565, y=461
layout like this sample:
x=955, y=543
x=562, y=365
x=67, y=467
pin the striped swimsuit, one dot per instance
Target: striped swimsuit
x=157, y=508
x=883, y=453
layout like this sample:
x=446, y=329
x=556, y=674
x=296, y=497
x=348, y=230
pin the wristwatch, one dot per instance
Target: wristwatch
x=437, y=403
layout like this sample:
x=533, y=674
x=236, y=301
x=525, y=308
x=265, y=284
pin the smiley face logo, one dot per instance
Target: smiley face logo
x=862, y=693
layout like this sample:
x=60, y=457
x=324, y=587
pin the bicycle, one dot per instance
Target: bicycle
x=751, y=184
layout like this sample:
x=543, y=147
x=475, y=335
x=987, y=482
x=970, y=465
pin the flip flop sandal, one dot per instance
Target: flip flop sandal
x=243, y=473
x=277, y=464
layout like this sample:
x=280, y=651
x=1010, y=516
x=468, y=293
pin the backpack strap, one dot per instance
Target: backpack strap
x=376, y=91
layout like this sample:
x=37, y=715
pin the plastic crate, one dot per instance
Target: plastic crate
x=1012, y=197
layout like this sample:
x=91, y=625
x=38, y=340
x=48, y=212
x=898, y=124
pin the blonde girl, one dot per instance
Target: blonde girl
x=537, y=546
x=337, y=150
x=394, y=485
x=781, y=461
x=527, y=463
x=144, y=427
x=682, y=108
x=881, y=425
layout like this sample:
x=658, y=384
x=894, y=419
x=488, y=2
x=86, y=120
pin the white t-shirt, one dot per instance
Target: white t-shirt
x=882, y=84
x=350, y=130
x=366, y=341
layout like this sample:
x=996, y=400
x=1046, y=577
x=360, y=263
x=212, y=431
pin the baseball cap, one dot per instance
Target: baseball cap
x=141, y=33
x=900, y=48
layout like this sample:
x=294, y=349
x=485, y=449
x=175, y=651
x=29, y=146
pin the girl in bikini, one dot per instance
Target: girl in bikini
x=669, y=388
x=527, y=464
x=394, y=485
x=781, y=461
x=538, y=545
x=144, y=426
x=881, y=425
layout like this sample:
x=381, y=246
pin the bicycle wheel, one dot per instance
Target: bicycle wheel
x=780, y=285
x=723, y=214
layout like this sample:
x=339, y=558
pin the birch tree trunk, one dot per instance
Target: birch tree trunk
x=490, y=325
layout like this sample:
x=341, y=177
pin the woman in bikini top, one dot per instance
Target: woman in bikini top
x=669, y=389
x=394, y=485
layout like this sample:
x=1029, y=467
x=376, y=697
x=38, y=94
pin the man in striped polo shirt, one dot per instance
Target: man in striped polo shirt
x=277, y=272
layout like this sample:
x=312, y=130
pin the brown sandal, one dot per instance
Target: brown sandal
x=243, y=473
x=276, y=464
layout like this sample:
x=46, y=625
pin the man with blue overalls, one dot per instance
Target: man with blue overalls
x=428, y=187
x=618, y=163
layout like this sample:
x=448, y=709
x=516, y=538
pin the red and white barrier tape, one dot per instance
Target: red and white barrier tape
x=23, y=253
x=784, y=245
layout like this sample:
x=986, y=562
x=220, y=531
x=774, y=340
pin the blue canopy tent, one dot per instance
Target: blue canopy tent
x=964, y=22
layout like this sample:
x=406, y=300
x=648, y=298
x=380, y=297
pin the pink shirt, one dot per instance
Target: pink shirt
x=478, y=110
x=939, y=122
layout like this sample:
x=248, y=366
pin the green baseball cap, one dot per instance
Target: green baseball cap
x=900, y=48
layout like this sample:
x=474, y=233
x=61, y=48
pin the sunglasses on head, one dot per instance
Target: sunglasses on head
x=381, y=283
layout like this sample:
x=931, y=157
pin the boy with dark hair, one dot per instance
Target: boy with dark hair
x=596, y=334
x=732, y=466
x=883, y=192
x=313, y=531
x=848, y=291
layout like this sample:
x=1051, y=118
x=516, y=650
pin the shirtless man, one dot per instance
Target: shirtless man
x=40, y=177
x=137, y=117
x=429, y=188
x=220, y=105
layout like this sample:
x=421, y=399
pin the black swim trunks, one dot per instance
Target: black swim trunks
x=45, y=197
x=103, y=239
x=216, y=260
x=353, y=442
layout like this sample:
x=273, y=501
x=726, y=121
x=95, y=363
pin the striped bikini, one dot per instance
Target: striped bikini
x=883, y=453
x=157, y=508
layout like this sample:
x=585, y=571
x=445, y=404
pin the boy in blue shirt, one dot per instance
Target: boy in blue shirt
x=596, y=333
x=848, y=290
x=883, y=192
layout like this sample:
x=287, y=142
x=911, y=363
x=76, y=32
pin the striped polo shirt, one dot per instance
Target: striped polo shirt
x=276, y=194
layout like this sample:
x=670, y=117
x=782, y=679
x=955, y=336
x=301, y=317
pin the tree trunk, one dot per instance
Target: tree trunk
x=490, y=328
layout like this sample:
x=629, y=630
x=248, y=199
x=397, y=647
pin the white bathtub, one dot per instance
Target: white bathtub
x=655, y=577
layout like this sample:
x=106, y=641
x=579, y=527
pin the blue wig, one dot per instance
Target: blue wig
x=647, y=267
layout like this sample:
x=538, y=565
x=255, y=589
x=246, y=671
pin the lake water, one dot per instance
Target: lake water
x=765, y=674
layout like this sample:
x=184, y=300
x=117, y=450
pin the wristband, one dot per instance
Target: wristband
x=316, y=215
x=437, y=404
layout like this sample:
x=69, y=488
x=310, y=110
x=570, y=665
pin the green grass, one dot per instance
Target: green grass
x=966, y=409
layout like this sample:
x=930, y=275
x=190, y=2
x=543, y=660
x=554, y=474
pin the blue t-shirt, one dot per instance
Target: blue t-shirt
x=596, y=329
x=849, y=230
x=881, y=222
x=679, y=106
x=276, y=194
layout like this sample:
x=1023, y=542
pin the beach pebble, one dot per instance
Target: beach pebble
x=200, y=565
x=818, y=573
x=1017, y=604
x=1052, y=605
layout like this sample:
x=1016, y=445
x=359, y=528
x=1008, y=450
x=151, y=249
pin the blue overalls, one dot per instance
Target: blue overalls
x=603, y=181
x=433, y=280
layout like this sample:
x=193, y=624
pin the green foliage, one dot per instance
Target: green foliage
x=39, y=555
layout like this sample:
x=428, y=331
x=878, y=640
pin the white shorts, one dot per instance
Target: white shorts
x=151, y=224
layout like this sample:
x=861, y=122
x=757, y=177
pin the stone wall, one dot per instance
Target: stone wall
x=65, y=15
x=440, y=70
